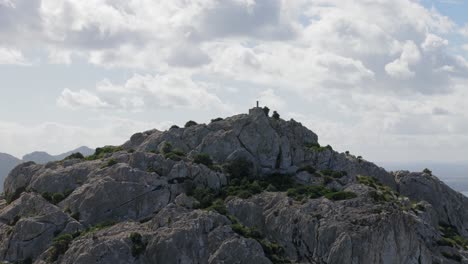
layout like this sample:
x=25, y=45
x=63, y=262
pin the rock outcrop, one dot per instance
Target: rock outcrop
x=245, y=189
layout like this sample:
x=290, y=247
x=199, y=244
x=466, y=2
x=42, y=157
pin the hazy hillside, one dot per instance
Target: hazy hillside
x=41, y=157
x=7, y=162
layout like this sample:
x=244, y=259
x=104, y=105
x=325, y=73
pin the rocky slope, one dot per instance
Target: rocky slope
x=245, y=189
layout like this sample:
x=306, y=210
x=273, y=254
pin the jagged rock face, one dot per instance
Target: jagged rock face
x=174, y=235
x=451, y=207
x=322, y=231
x=136, y=205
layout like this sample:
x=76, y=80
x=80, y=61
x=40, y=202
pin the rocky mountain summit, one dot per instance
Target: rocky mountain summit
x=245, y=189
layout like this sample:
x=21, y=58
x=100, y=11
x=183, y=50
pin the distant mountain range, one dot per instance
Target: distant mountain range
x=8, y=162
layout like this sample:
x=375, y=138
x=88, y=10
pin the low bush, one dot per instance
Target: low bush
x=203, y=158
x=341, y=195
x=427, y=171
x=266, y=110
x=101, y=152
x=56, y=198
x=111, y=162
x=308, y=169
x=60, y=246
x=239, y=168
x=455, y=257
x=166, y=147
x=216, y=120
x=138, y=246
x=190, y=123
x=76, y=155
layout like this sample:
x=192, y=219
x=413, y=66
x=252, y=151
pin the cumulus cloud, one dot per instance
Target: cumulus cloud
x=385, y=67
x=82, y=98
x=145, y=91
x=12, y=56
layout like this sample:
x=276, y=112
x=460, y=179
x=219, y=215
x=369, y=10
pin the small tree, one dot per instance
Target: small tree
x=427, y=171
x=276, y=115
x=190, y=123
x=266, y=110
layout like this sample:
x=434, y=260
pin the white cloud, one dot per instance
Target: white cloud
x=79, y=99
x=387, y=70
x=271, y=99
x=146, y=91
x=434, y=42
x=12, y=56
x=400, y=68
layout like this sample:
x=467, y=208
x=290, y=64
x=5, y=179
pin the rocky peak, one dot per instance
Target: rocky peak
x=243, y=189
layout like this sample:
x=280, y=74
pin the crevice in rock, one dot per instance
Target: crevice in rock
x=279, y=159
x=135, y=198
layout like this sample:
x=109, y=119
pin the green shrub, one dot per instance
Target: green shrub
x=173, y=156
x=166, y=148
x=455, y=257
x=174, y=127
x=190, y=123
x=308, y=169
x=427, y=171
x=216, y=120
x=239, y=168
x=276, y=115
x=302, y=192
x=13, y=196
x=138, y=246
x=266, y=110
x=341, y=195
x=205, y=196
x=218, y=206
x=327, y=180
x=76, y=155
x=447, y=242
x=57, y=198
x=203, y=158
x=111, y=162
x=60, y=246
x=101, y=152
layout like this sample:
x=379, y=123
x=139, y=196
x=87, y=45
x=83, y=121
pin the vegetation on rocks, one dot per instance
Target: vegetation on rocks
x=203, y=158
x=56, y=198
x=170, y=153
x=317, y=148
x=138, y=246
x=76, y=155
x=101, y=152
x=60, y=246
x=190, y=123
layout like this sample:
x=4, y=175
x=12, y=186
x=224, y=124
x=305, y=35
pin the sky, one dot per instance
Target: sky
x=384, y=79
